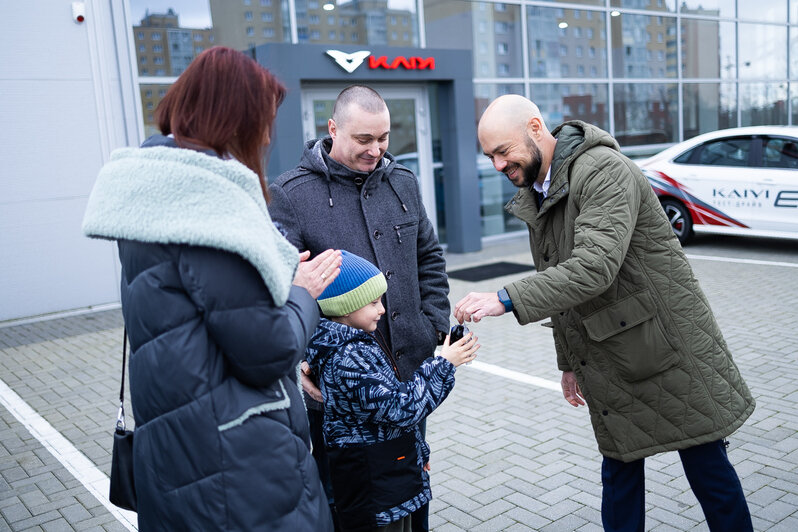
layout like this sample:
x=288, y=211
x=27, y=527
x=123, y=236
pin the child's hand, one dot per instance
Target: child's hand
x=462, y=351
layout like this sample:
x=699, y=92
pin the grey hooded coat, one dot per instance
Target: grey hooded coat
x=322, y=204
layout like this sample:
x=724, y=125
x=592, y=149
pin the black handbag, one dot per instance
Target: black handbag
x=123, y=486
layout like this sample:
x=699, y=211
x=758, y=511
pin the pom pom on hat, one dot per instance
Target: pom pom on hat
x=358, y=284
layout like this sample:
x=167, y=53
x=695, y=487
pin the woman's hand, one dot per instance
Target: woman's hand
x=317, y=274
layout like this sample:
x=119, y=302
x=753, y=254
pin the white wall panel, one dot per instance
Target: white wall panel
x=40, y=41
x=68, y=98
x=55, y=150
x=47, y=264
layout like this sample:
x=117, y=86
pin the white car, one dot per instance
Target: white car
x=741, y=181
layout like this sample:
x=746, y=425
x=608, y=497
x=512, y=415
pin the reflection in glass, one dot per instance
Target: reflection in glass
x=244, y=25
x=579, y=50
x=163, y=47
x=794, y=99
x=494, y=188
x=765, y=10
x=649, y=5
x=709, y=8
x=708, y=49
x=643, y=46
x=559, y=103
x=725, y=152
x=708, y=107
x=151, y=96
x=763, y=104
x=484, y=93
x=583, y=2
x=491, y=31
x=794, y=50
x=779, y=152
x=645, y=113
x=375, y=22
x=764, y=55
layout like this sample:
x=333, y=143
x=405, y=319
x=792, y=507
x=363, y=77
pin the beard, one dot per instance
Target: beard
x=531, y=170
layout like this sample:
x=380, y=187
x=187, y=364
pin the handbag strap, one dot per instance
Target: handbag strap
x=120, y=417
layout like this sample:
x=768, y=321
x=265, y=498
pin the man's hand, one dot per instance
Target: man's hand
x=570, y=389
x=307, y=384
x=477, y=305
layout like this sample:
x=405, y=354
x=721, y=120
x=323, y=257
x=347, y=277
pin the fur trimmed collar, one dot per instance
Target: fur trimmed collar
x=178, y=196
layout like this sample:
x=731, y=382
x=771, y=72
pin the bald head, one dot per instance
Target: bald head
x=514, y=137
x=364, y=97
x=509, y=113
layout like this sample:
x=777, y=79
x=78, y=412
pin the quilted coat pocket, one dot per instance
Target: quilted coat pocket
x=629, y=332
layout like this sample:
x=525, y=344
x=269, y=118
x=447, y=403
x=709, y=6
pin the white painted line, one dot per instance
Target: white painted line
x=70, y=457
x=744, y=261
x=515, y=375
x=58, y=315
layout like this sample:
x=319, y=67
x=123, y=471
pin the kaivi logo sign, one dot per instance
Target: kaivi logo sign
x=410, y=63
x=350, y=62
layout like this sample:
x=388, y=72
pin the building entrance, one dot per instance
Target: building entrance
x=410, y=139
x=432, y=119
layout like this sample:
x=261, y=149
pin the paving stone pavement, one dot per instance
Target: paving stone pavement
x=506, y=455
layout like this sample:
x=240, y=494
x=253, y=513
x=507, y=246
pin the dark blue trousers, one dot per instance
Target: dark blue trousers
x=712, y=479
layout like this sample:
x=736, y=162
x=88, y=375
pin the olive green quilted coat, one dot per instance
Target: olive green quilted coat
x=629, y=317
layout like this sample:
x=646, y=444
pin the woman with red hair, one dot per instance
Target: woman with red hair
x=218, y=307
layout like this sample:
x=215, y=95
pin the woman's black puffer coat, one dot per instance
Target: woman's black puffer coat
x=221, y=441
x=216, y=333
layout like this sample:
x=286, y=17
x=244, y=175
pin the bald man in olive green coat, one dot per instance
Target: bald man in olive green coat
x=635, y=336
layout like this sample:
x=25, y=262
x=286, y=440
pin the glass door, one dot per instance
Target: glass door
x=410, y=139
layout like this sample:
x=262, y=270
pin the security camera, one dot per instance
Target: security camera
x=78, y=12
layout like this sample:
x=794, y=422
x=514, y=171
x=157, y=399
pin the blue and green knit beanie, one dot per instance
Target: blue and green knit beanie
x=358, y=284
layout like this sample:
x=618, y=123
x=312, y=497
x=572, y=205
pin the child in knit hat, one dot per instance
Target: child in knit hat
x=377, y=455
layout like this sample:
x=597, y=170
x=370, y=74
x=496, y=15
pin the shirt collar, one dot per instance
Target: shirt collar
x=544, y=188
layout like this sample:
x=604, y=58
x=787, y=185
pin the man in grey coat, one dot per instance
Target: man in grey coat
x=349, y=193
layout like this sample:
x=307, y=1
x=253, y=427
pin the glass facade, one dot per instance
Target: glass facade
x=651, y=72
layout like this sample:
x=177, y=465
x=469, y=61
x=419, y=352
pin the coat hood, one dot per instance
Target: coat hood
x=573, y=139
x=316, y=159
x=327, y=339
x=167, y=195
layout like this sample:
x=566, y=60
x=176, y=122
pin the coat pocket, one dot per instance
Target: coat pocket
x=629, y=331
x=406, y=231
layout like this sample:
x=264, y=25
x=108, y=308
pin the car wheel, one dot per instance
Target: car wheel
x=679, y=218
